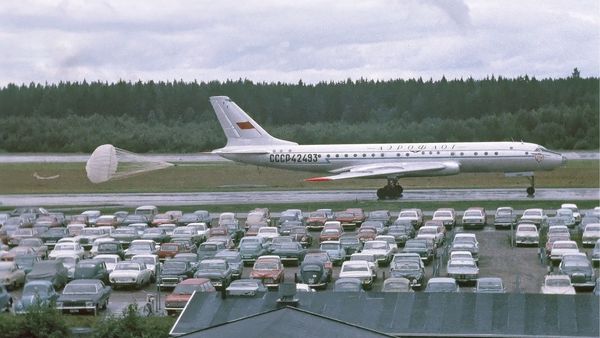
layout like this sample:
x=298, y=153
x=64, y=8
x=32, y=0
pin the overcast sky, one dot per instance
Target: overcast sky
x=51, y=41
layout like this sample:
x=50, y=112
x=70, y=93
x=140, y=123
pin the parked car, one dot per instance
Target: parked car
x=401, y=233
x=216, y=270
x=596, y=253
x=319, y=256
x=110, y=261
x=474, y=217
x=348, y=284
x=335, y=251
x=567, y=215
x=382, y=251
x=178, y=298
x=441, y=284
x=111, y=248
x=579, y=269
x=313, y=274
x=447, y=216
x=437, y=233
x=163, y=219
x=39, y=293
x=88, y=295
x=158, y=235
x=351, y=244
x=269, y=269
x=505, y=217
x=421, y=247
x=149, y=211
x=346, y=219
x=6, y=299
x=174, y=271
x=37, y=245
x=51, y=270
x=52, y=235
x=358, y=269
x=365, y=234
x=382, y=216
x=87, y=236
x=396, y=284
x=26, y=262
x=130, y=274
x=66, y=249
x=11, y=276
x=107, y=220
x=535, y=216
x=557, y=285
x=246, y=287
x=250, y=249
x=125, y=235
x=300, y=234
x=316, y=220
x=140, y=246
x=527, y=234
x=91, y=269
x=69, y=261
x=330, y=234
x=591, y=234
x=209, y=249
x=462, y=270
x=234, y=260
x=490, y=285
x=288, y=252
x=413, y=216
x=152, y=262
x=560, y=248
x=411, y=271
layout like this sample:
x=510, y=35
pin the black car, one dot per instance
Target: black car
x=314, y=274
x=413, y=271
x=111, y=248
x=52, y=270
x=401, y=233
x=174, y=271
x=381, y=216
x=285, y=229
x=301, y=235
x=217, y=270
x=125, y=235
x=91, y=269
x=90, y=295
x=52, y=235
x=578, y=267
x=288, y=252
x=159, y=235
x=421, y=247
x=351, y=244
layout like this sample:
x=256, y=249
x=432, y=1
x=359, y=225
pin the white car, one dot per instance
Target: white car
x=557, y=285
x=109, y=260
x=446, y=215
x=69, y=261
x=140, y=246
x=535, y=216
x=268, y=233
x=130, y=274
x=201, y=228
x=474, y=217
x=573, y=208
x=463, y=270
x=151, y=262
x=360, y=256
x=527, y=234
x=567, y=215
x=414, y=216
x=94, y=249
x=87, y=236
x=560, y=248
x=464, y=255
x=391, y=241
x=436, y=233
x=591, y=234
x=382, y=251
x=64, y=248
x=358, y=269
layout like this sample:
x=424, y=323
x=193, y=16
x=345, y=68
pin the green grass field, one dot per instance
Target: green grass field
x=19, y=179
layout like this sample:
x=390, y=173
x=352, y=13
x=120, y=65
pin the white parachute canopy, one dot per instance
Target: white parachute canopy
x=108, y=162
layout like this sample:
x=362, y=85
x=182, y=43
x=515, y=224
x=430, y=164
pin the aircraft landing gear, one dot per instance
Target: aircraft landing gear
x=531, y=190
x=392, y=190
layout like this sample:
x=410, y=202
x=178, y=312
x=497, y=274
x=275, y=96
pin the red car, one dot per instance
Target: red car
x=366, y=234
x=176, y=301
x=169, y=250
x=330, y=234
x=347, y=219
x=218, y=231
x=269, y=269
x=316, y=220
x=359, y=215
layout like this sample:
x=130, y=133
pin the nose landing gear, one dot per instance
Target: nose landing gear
x=531, y=189
x=392, y=190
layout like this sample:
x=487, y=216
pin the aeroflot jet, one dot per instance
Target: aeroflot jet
x=248, y=142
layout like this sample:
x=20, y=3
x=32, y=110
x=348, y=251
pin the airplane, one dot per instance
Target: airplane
x=248, y=142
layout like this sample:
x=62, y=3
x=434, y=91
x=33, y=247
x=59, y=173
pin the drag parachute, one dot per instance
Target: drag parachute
x=108, y=162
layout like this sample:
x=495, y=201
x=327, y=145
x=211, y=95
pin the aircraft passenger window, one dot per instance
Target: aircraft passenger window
x=461, y=154
x=381, y=154
x=452, y=153
x=397, y=154
x=328, y=156
x=407, y=154
x=526, y=153
x=345, y=155
x=364, y=155
x=337, y=155
x=372, y=155
x=431, y=153
x=485, y=153
x=422, y=153
x=438, y=152
x=496, y=153
x=355, y=155
x=475, y=153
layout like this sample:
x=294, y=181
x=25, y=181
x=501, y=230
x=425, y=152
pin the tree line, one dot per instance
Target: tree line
x=177, y=117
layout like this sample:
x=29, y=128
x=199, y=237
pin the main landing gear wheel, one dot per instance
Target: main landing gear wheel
x=531, y=190
x=392, y=190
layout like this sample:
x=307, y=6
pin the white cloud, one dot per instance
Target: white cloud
x=287, y=41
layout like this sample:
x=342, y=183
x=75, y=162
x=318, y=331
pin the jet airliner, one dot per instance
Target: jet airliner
x=248, y=142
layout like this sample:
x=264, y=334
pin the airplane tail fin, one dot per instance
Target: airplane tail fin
x=240, y=129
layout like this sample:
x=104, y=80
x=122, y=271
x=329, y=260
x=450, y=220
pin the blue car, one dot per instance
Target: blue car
x=40, y=292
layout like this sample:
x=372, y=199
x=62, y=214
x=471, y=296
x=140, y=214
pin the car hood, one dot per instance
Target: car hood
x=264, y=274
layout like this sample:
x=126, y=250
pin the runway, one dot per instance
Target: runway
x=285, y=196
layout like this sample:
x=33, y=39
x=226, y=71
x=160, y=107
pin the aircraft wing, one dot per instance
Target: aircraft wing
x=383, y=170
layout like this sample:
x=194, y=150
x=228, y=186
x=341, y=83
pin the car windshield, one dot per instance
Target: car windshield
x=558, y=282
x=407, y=266
x=267, y=230
x=415, y=245
x=534, y=213
x=376, y=245
x=317, y=215
x=593, y=227
x=208, y=247
x=140, y=246
x=266, y=265
x=311, y=267
x=169, y=247
x=249, y=246
x=472, y=214
x=287, y=245
x=575, y=261
x=330, y=246
x=427, y=231
x=35, y=289
x=354, y=268
x=30, y=242
x=504, y=212
x=348, y=241
x=90, y=232
x=212, y=266
x=174, y=265
x=396, y=285
x=443, y=214
x=441, y=286
x=108, y=247
x=186, y=289
x=24, y=260
x=128, y=266
x=563, y=245
x=527, y=228
x=64, y=247
x=124, y=231
x=243, y=284
x=461, y=264
x=408, y=214
x=79, y=289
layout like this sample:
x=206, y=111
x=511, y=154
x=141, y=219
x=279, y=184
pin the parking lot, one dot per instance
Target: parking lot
x=520, y=268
